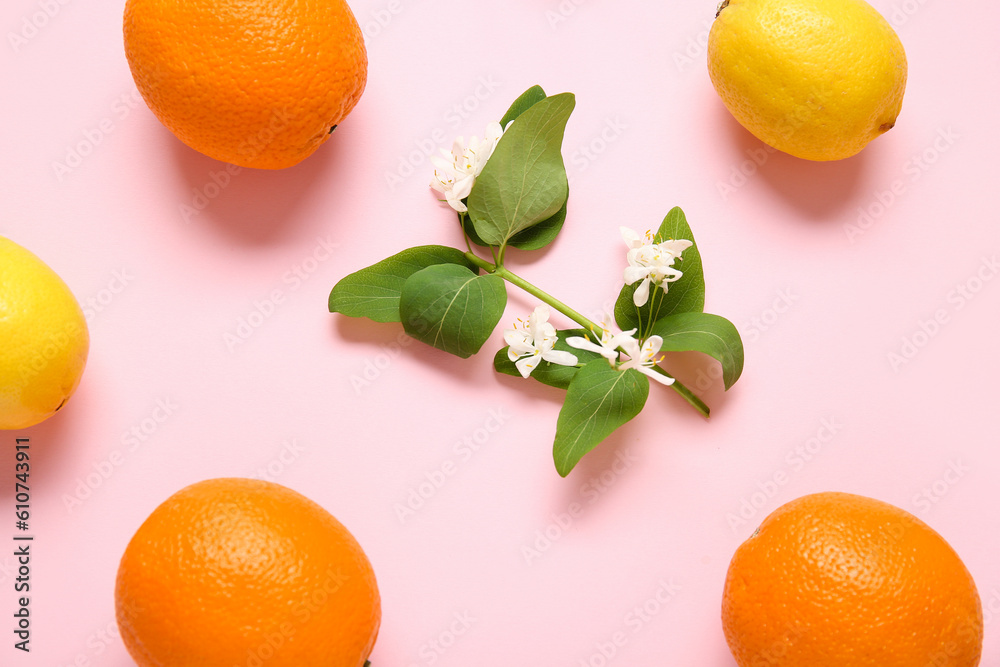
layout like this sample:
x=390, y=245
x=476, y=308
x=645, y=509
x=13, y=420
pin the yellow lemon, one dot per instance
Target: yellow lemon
x=43, y=339
x=818, y=79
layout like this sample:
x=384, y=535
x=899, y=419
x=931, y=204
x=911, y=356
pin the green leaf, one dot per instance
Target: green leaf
x=524, y=182
x=540, y=235
x=373, y=292
x=470, y=231
x=528, y=99
x=548, y=229
x=532, y=238
x=703, y=332
x=687, y=295
x=598, y=401
x=553, y=375
x=450, y=307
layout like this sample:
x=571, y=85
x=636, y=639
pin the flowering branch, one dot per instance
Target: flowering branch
x=584, y=322
x=510, y=190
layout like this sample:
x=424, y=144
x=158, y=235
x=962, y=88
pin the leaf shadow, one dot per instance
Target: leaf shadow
x=703, y=376
x=516, y=257
x=535, y=391
x=599, y=469
x=384, y=342
x=818, y=191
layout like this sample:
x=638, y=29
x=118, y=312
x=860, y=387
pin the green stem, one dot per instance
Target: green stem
x=461, y=224
x=574, y=315
x=514, y=279
x=686, y=393
x=652, y=309
x=583, y=321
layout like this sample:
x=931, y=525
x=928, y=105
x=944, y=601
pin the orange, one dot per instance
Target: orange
x=233, y=572
x=258, y=83
x=839, y=580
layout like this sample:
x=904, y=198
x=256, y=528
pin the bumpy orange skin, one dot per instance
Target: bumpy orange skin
x=235, y=571
x=258, y=83
x=839, y=580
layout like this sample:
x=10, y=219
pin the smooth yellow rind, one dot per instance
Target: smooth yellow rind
x=818, y=79
x=44, y=339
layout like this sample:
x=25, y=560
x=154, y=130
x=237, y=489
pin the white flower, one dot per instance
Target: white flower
x=652, y=263
x=534, y=341
x=607, y=347
x=456, y=172
x=642, y=358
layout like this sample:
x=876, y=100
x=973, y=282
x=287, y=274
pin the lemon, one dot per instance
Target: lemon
x=818, y=79
x=43, y=339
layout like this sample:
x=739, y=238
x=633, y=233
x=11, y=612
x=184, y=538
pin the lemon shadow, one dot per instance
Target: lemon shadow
x=817, y=191
x=45, y=445
x=253, y=206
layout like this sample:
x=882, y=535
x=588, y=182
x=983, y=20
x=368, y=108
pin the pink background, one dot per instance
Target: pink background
x=826, y=269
